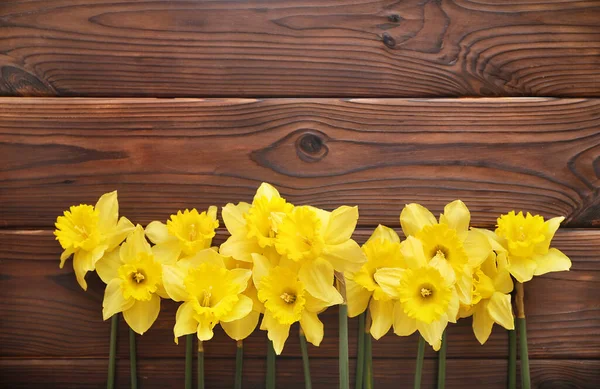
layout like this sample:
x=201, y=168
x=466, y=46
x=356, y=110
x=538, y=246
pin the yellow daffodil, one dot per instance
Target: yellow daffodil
x=526, y=239
x=133, y=276
x=320, y=242
x=89, y=232
x=382, y=251
x=287, y=301
x=491, y=297
x=211, y=293
x=253, y=227
x=184, y=234
x=425, y=292
x=450, y=239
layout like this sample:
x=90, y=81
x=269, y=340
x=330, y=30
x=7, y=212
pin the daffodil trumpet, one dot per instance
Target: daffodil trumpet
x=189, y=360
x=305, y=361
x=239, y=360
x=360, y=353
x=112, y=354
x=441, y=382
x=132, y=359
x=200, y=365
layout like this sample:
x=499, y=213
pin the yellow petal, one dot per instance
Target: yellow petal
x=261, y=268
x=167, y=252
x=464, y=287
x=494, y=240
x=142, y=314
x=414, y=217
x=233, y=216
x=521, y=268
x=358, y=298
x=276, y=332
x=266, y=190
x=173, y=277
x=205, y=328
x=388, y=279
x=345, y=257
x=185, y=323
x=316, y=305
x=323, y=216
x=119, y=233
x=503, y=282
x=445, y=269
x=157, y=232
x=412, y=252
x=241, y=277
x=477, y=248
x=240, y=248
x=482, y=322
x=135, y=243
x=65, y=255
x=208, y=256
x=242, y=328
x=85, y=261
x=384, y=233
x=108, y=266
x=317, y=278
x=113, y=299
x=241, y=309
x=108, y=211
x=453, y=308
x=456, y=215
x=432, y=333
x=382, y=314
x=500, y=310
x=551, y=227
x=342, y=223
x=555, y=260
x=312, y=327
x=403, y=325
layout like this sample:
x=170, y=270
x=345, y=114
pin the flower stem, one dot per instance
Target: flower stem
x=368, y=375
x=419, y=368
x=512, y=359
x=305, y=362
x=343, y=345
x=239, y=361
x=189, y=349
x=360, y=355
x=132, y=359
x=200, y=365
x=442, y=363
x=522, y=325
x=270, y=384
x=112, y=351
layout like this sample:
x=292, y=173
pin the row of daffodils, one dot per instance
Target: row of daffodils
x=282, y=261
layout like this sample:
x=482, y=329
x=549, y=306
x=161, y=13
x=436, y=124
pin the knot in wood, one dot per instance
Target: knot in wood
x=394, y=18
x=388, y=40
x=311, y=147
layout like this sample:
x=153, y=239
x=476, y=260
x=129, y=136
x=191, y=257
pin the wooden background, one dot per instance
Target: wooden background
x=190, y=103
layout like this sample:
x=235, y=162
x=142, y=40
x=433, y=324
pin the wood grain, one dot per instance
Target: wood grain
x=46, y=314
x=388, y=373
x=539, y=155
x=355, y=48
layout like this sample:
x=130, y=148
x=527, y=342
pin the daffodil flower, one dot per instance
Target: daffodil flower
x=382, y=250
x=90, y=232
x=211, y=293
x=184, y=234
x=133, y=275
x=287, y=301
x=526, y=240
x=253, y=227
x=450, y=239
x=425, y=293
x=320, y=242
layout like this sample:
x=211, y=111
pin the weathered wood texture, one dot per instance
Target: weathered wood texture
x=540, y=155
x=355, y=48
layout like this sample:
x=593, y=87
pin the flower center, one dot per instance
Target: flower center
x=441, y=251
x=82, y=231
x=288, y=298
x=193, y=233
x=206, y=295
x=138, y=277
x=426, y=291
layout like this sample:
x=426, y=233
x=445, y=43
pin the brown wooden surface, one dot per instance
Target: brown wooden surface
x=338, y=48
x=539, y=155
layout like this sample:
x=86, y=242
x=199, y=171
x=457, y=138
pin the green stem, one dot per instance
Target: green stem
x=305, y=362
x=525, y=378
x=512, y=359
x=419, y=368
x=442, y=363
x=368, y=375
x=239, y=361
x=189, y=350
x=200, y=365
x=343, y=345
x=112, y=351
x=360, y=355
x=132, y=359
x=270, y=366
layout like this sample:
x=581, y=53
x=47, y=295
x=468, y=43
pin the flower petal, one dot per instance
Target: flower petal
x=358, y=298
x=551, y=227
x=414, y=217
x=456, y=215
x=443, y=266
x=157, y=232
x=342, y=223
x=521, y=268
x=119, y=233
x=312, y=327
x=84, y=261
x=108, y=211
x=453, y=307
x=208, y=256
x=317, y=278
x=241, y=277
x=239, y=247
x=500, y=310
x=477, y=247
x=345, y=257
x=555, y=260
x=233, y=216
x=384, y=233
x=114, y=302
x=241, y=309
x=316, y=305
x=388, y=279
x=261, y=268
x=482, y=322
x=242, y=328
x=464, y=287
x=266, y=190
x=403, y=325
x=276, y=332
x=142, y=314
x=495, y=241
x=107, y=267
x=185, y=323
x=135, y=243
x=173, y=277
x=382, y=314
x=432, y=333
x=205, y=328
x=412, y=252
x=167, y=252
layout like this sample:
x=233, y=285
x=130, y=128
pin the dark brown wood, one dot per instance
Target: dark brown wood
x=299, y=48
x=388, y=373
x=539, y=155
x=46, y=314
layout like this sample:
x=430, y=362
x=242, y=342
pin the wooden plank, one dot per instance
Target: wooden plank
x=46, y=314
x=299, y=48
x=540, y=155
x=69, y=373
